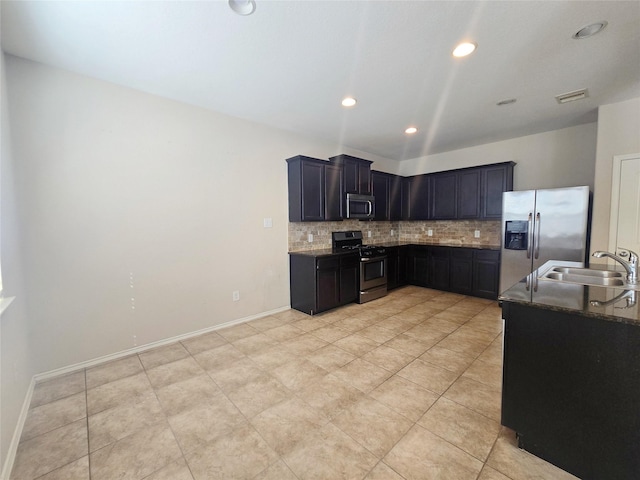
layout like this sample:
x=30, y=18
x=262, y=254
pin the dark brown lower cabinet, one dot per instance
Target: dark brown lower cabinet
x=462, y=270
x=320, y=283
x=397, y=266
x=439, y=264
x=468, y=271
x=486, y=273
x=571, y=390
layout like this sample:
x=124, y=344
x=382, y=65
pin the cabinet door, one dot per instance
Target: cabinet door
x=380, y=190
x=395, y=198
x=364, y=178
x=349, y=278
x=439, y=268
x=443, y=194
x=350, y=175
x=312, y=192
x=495, y=180
x=486, y=273
x=392, y=267
x=419, y=266
x=333, y=192
x=469, y=193
x=416, y=198
x=403, y=265
x=461, y=270
x=328, y=283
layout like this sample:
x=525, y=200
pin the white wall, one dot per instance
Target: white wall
x=16, y=365
x=559, y=158
x=121, y=188
x=618, y=134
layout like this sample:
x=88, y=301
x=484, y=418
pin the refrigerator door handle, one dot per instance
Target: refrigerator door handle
x=530, y=234
x=537, y=227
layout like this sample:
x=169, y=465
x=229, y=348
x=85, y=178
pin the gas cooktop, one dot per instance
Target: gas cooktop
x=352, y=240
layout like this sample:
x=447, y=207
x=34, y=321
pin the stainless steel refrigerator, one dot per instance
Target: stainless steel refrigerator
x=542, y=225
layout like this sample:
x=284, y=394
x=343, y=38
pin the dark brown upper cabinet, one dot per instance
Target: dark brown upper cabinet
x=469, y=194
x=356, y=173
x=415, y=197
x=315, y=188
x=443, y=189
x=387, y=190
x=496, y=179
x=473, y=193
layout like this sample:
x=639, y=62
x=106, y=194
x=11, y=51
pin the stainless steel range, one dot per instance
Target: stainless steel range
x=373, y=263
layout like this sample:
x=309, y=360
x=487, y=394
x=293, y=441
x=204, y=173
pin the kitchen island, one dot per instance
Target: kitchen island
x=571, y=374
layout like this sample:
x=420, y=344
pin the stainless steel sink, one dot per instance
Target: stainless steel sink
x=587, y=272
x=588, y=276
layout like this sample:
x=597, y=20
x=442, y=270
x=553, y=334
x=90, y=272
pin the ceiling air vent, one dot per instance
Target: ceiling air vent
x=572, y=96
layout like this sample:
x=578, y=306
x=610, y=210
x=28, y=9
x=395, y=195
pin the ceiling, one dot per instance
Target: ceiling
x=290, y=63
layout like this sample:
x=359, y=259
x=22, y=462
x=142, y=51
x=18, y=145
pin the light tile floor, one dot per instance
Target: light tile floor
x=404, y=387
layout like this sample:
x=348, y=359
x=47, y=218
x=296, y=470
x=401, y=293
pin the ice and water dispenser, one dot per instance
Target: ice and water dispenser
x=516, y=235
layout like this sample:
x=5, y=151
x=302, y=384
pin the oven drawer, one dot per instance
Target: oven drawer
x=372, y=294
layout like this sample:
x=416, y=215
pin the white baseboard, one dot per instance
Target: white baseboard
x=17, y=433
x=15, y=440
x=131, y=351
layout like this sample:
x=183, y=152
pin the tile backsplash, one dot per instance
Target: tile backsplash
x=448, y=232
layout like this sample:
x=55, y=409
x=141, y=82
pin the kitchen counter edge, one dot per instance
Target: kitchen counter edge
x=572, y=298
x=320, y=252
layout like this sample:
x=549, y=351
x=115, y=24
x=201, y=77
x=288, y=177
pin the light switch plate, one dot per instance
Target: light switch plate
x=310, y=237
x=476, y=234
x=267, y=222
x=430, y=233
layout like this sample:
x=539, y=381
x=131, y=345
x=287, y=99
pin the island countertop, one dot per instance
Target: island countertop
x=608, y=303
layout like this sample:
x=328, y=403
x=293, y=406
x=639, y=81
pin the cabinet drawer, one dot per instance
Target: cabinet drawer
x=349, y=260
x=488, y=255
x=328, y=263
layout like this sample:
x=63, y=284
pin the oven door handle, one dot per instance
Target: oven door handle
x=372, y=259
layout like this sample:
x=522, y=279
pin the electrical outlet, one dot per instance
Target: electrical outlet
x=236, y=295
x=135, y=340
x=369, y=233
x=392, y=232
x=476, y=234
x=267, y=222
x=310, y=237
x=429, y=233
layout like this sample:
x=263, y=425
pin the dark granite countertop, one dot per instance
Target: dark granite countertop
x=320, y=252
x=607, y=303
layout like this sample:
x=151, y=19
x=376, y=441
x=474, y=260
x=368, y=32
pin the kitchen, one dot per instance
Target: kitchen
x=147, y=210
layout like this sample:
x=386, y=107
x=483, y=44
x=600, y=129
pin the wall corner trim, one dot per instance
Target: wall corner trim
x=17, y=433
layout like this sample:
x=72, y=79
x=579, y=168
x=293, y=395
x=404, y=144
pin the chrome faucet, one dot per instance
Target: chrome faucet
x=631, y=266
x=631, y=297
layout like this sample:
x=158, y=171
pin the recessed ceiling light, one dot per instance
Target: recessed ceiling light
x=590, y=30
x=348, y=102
x=464, y=49
x=507, y=101
x=411, y=130
x=243, y=7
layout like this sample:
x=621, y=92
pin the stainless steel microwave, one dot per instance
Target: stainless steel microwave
x=360, y=206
